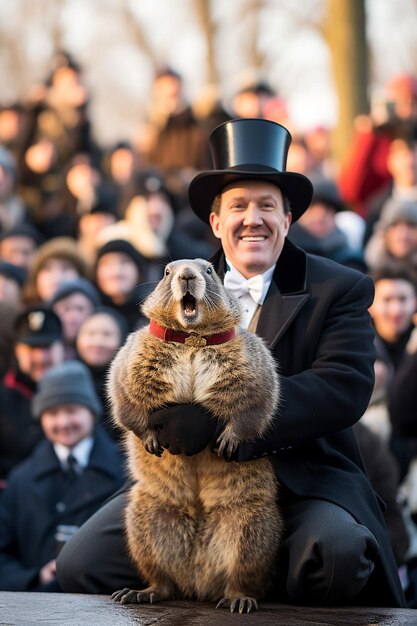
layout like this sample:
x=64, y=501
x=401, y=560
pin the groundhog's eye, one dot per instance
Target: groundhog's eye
x=209, y=270
x=167, y=271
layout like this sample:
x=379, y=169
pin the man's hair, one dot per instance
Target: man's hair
x=392, y=272
x=215, y=207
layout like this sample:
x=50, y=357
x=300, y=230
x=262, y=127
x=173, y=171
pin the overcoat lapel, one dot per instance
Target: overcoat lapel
x=278, y=311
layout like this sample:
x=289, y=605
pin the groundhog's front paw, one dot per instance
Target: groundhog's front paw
x=151, y=443
x=227, y=443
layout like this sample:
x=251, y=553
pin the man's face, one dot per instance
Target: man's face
x=251, y=225
x=67, y=424
x=393, y=307
x=34, y=361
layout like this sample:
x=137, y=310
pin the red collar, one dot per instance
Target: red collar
x=191, y=339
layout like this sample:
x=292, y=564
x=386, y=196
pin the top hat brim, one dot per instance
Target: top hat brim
x=207, y=185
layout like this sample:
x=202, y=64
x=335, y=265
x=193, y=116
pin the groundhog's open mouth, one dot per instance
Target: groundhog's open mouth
x=189, y=305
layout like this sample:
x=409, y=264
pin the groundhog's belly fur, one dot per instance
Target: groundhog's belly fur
x=210, y=526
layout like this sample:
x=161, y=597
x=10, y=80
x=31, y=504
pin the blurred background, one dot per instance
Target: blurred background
x=327, y=59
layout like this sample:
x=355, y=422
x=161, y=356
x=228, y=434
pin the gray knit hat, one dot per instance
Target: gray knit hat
x=69, y=382
x=394, y=211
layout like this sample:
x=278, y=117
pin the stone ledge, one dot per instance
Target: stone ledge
x=60, y=609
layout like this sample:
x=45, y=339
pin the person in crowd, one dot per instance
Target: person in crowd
x=14, y=119
x=55, y=262
x=365, y=172
x=12, y=208
x=38, y=345
x=97, y=342
x=253, y=99
x=313, y=313
x=74, y=301
x=18, y=245
x=402, y=167
x=179, y=143
x=60, y=485
x=393, y=314
x=91, y=223
x=149, y=224
x=384, y=476
x=403, y=415
x=118, y=275
x=83, y=179
x=317, y=230
x=394, y=241
x=8, y=316
x=12, y=279
x=119, y=165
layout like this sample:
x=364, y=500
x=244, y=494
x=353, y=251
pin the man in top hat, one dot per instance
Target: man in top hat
x=313, y=314
x=38, y=346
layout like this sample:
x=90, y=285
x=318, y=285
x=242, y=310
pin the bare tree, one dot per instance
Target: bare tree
x=346, y=36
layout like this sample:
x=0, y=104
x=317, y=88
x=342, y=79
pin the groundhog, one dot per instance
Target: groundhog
x=198, y=527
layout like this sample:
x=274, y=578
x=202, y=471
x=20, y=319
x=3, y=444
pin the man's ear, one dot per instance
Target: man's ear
x=289, y=220
x=215, y=224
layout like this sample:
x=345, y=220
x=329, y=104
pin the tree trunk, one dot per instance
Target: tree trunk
x=346, y=36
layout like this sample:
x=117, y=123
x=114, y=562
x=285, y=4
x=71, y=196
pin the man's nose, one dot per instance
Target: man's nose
x=252, y=215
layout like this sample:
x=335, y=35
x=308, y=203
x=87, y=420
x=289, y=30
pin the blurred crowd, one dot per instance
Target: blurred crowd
x=85, y=232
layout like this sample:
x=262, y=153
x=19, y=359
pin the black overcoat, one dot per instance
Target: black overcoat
x=37, y=500
x=315, y=320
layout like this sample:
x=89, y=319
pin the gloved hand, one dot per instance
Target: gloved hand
x=184, y=428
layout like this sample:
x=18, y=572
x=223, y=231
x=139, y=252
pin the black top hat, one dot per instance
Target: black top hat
x=252, y=149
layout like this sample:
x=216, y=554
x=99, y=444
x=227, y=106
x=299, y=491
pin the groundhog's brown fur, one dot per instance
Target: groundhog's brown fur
x=198, y=527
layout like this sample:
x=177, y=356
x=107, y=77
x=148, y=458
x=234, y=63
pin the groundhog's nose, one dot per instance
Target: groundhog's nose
x=187, y=274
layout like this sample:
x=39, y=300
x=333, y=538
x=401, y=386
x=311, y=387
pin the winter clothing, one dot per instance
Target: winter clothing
x=38, y=499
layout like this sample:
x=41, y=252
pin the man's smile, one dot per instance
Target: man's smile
x=253, y=238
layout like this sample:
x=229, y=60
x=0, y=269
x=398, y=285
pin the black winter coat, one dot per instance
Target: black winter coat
x=36, y=501
x=315, y=320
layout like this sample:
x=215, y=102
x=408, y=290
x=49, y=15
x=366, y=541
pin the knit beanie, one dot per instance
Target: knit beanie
x=59, y=248
x=125, y=247
x=69, y=382
x=78, y=285
x=395, y=211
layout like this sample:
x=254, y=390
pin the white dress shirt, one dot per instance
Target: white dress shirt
x=249, y=304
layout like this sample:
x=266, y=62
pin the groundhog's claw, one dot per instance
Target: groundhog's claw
x=243, y=604
x=152, y=444
x=227, y=444
x=132, y=596
x=125, y=596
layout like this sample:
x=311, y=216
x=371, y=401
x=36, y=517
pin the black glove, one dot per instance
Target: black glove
x=184, y=428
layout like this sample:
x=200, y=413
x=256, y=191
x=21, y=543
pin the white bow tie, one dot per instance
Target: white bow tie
x=254, y=286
